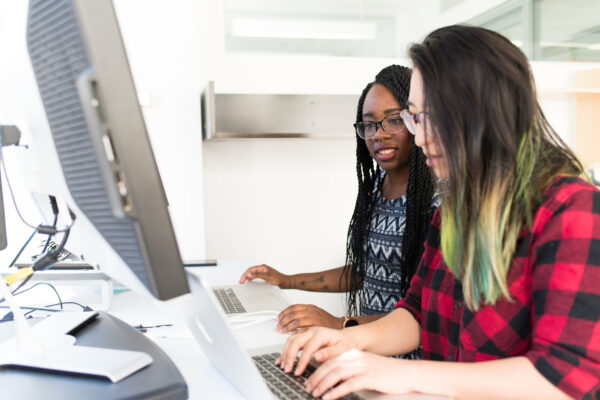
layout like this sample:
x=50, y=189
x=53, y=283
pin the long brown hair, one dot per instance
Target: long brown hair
x=501, y=151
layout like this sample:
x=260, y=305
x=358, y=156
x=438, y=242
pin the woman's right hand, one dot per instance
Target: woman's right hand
x=268, y=274
x=320, y=343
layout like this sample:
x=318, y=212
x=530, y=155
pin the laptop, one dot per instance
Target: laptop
x=250, y=298
x=253, y=373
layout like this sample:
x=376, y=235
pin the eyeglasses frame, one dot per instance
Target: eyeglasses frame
x=380, y=124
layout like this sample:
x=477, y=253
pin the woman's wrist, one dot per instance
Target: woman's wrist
x=411, y=374
x=355, y=335
x=287, y=282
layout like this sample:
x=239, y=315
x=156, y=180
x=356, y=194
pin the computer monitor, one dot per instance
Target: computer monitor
x=96, y=141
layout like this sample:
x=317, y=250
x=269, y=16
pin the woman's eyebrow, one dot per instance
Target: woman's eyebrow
x=388, y=111
x=391, y=110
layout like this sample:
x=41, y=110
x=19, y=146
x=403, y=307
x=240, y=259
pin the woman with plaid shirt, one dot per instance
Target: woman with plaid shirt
x=507, y=289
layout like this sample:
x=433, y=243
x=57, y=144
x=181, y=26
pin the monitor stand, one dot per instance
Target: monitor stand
x=48, y=346
x=160, y=380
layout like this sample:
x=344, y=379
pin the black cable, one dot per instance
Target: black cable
x=49, y=235
x=37, y=284
x=84, y=308
x=8, y=316
x=46, y=260
x=19, y=287
x=22, y=248
x=36, y=308
x=13, y=196
x=39, y=227
x=49, y=258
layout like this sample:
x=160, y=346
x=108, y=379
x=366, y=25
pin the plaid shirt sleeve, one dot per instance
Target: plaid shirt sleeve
x=565, y=288
x=412, y=300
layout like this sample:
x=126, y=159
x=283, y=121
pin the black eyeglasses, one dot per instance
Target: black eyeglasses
x=392, y=124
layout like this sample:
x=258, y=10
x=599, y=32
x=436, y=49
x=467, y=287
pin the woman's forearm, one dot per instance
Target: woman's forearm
x=323, y=281
x=365, y=319
x=400, y=330
x=508, y=378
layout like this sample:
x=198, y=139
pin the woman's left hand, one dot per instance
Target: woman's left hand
x=298, y=317
x=356, y=370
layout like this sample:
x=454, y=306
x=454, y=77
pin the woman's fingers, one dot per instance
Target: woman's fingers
x=254, y=272
x=334, y=371
x=351, y=385
x=290, y=350
x=330, y=352
x=321, y=338
x=293, y=317
x=348, y=365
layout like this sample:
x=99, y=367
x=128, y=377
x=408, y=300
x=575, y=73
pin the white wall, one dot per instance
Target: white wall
x=260, y=194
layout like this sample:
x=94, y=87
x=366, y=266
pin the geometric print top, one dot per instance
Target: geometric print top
x=381, y=283
x=553, y=317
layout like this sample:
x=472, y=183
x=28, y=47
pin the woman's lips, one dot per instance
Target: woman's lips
x=386, y=154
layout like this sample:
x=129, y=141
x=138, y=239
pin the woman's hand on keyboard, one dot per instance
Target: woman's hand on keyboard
x=320, y=343
x=298, y=317
x=266, y=273
x=356, y=370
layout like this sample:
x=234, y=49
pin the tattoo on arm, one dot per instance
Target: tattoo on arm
x=318, y=281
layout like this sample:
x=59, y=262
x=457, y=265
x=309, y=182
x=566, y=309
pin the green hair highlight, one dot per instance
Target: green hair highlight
x=482, y=223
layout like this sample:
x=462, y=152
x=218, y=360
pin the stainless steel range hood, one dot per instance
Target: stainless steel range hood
x=228, y=116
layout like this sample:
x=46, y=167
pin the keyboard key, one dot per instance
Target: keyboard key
x=287, y=386
x=229, y=301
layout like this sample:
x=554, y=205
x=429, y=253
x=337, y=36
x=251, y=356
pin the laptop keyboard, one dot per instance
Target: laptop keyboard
x=229, y=301
x=287, y=386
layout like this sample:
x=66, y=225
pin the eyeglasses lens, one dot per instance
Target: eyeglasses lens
x=409, y=121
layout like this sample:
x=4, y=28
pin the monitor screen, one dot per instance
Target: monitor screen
x=96, y=130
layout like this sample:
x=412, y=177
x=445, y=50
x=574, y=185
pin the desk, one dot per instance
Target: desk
x=202, y=379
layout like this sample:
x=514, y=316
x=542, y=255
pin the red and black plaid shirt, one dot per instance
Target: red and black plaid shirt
x=554, y=281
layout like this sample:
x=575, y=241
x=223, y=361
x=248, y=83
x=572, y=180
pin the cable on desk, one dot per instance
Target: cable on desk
x=8, y=316
x=84, y=308
x=42, y=283
x=45, y=308
x=45, y=261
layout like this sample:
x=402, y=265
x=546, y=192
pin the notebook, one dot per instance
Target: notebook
x=252, y=373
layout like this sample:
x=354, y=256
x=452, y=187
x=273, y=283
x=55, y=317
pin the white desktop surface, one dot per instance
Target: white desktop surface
x=202, y=379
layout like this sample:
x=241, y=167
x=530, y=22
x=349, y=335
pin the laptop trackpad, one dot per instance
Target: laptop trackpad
x=261, y=297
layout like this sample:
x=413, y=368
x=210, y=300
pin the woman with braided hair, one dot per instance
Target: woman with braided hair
x=392, y=212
